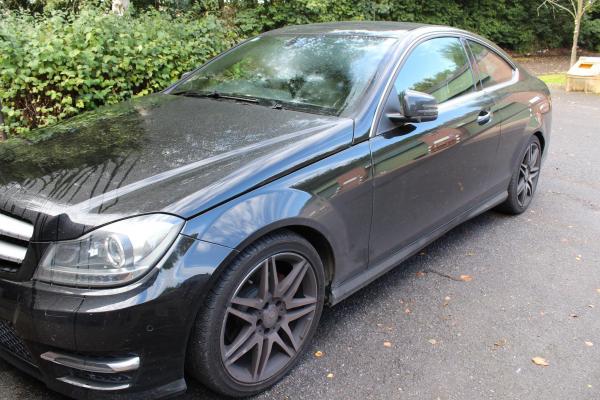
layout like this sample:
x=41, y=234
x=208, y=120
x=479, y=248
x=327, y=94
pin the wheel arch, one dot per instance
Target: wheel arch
x=307, y=230
x=542, y=140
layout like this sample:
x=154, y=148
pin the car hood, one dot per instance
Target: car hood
x=160, y=153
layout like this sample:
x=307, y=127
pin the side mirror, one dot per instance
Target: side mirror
x=417, y=107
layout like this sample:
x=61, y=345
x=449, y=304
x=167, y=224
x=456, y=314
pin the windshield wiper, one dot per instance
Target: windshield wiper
x=303, y=107
x=215, y=95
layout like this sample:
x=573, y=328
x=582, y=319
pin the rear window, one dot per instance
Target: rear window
x=492, y=68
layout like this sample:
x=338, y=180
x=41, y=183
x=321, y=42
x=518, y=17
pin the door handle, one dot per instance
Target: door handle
x=484, y=117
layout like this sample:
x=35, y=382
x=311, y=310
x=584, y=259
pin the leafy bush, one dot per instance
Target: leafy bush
x=513, y=24
x=590, y=34
x=54, y=66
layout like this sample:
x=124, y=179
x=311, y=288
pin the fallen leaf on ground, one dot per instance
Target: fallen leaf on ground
x=500, y=343
x=573, y=315
x=578, y=257
x=446, y=301
x=407, y=311
x=432, y=341
x=470, y=254
x=466, y=278
x=330, y=376
x=420, y=274
x=318, y=354
x=540, y=361
x=590, y=305
x=589, y=344
x=387, y=344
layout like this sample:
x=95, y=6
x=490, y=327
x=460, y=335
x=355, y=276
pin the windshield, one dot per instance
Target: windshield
x=324, y=74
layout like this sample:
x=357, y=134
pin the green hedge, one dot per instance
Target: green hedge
x=514, y=24
x=54, y=66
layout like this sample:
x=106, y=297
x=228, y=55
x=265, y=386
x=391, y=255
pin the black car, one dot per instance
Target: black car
x=203, y=229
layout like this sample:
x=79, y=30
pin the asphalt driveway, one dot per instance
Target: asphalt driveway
x=530, y=287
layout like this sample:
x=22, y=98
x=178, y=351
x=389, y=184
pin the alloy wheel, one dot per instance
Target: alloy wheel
x=528, y=174
x=268, y=318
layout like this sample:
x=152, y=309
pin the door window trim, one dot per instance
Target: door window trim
x=423, y=38
x=515, y=70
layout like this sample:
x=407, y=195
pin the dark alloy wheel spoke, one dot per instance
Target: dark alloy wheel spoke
x=242, y=350
x=521, y=187
x=299, y=313
x=291, y=282
x=268, y=317
x=288, y=331
x=529, y=171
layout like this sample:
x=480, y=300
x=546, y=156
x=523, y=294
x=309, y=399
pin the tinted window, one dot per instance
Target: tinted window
x=439, y=67
x=322, y=73
x=492, y=68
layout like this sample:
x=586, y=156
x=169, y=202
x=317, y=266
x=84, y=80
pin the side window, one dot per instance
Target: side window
x=492, y=68
x=438, y=67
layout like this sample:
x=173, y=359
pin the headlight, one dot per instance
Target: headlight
x=112, y=255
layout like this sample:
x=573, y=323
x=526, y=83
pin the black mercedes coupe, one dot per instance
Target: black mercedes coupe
x=201, y=230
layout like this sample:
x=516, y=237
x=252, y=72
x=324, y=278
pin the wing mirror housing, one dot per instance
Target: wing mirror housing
x=417, y=107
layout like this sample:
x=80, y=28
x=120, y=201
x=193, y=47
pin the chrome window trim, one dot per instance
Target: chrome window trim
x=515, y=75
x=422, y=38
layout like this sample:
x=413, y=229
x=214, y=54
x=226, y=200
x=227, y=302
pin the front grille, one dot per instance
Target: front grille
x=15, y=235
x=10, y=341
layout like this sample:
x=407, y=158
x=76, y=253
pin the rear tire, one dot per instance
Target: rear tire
x=524, y=180
x=260, y=316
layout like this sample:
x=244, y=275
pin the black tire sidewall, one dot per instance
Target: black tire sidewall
x=511, y=205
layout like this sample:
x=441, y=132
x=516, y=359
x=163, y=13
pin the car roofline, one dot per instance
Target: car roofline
x=388, y=29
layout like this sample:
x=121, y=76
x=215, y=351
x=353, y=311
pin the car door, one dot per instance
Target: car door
x=427, y=173
x=512, y=106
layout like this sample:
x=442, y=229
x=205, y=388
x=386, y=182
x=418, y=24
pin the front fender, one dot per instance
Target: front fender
x=332, y=196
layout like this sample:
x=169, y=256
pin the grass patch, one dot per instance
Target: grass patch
x=554, y=79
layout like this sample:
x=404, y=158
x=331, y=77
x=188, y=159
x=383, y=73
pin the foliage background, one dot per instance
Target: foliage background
x=60, y=57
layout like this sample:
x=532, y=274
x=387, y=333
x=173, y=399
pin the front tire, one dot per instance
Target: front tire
x=524, y=180
x=259, y=317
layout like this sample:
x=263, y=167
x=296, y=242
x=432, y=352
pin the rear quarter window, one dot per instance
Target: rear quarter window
x=493, y=69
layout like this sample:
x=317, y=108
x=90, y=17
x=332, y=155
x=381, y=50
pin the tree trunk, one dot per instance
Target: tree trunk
x=120, y=7
x=2, y=134
x=578, y=18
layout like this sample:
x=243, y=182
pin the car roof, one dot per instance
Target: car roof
x=367, y=28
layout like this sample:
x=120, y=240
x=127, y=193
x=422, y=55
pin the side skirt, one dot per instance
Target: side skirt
x=356, y=283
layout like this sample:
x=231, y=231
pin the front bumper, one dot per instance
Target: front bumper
x=123, y=343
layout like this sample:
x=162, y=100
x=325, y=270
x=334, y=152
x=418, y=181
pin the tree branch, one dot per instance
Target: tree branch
x=556, y=4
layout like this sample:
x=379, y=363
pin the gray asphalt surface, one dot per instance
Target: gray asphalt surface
x=535, y=292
